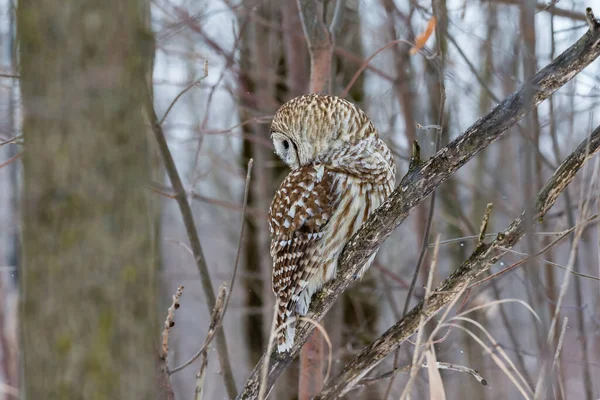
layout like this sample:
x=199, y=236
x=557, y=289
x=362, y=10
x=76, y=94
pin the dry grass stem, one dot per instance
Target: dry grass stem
x=422, y=321
x=498, y=349
x=264, y=368
x=560, y=343
x=525, y=391
x=436, y=385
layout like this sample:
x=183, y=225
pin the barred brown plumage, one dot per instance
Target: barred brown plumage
x=341, y=172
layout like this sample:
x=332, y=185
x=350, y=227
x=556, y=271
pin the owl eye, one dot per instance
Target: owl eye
x=286, y=144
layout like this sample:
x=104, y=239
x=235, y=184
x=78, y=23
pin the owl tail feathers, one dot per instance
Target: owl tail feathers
x=285, y=329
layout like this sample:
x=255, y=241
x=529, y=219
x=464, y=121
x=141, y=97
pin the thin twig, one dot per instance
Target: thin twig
x=495, y=344
x=216, y=320
x=263, y=390
x=17, y=140
x=544, y=6
x=338, y=16
x=414, y=162
x=10, y=160
x=484, y=224
x=560, y=343
x=191, y=85
x=402, y=370
x=192, y=233
x=428, y=127
x=242, y=230
x=480, y=243
x=235, y=268
x=367, y=61
x=438, y=143
x=169, y=323
x=570, y=265
x=525, y=391
x=422, y=321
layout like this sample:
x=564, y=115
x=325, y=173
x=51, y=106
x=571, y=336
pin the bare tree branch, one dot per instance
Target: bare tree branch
x=170, y=323
x=420, y=182
x=547, y=6
x=216, y=320
x=190, y=227
x=480, y=261
x=406, y=369
x=165, y=388
x=320, y=44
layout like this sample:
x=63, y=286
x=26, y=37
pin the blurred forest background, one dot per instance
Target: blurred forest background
x=231, y=64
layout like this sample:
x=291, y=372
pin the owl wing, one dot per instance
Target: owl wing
x=299, y=212
x=370, y=160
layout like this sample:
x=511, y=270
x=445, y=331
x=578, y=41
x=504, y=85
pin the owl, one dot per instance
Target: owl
x=341, y=171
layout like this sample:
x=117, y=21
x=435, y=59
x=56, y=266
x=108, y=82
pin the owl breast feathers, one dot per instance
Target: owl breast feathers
x=341, y=172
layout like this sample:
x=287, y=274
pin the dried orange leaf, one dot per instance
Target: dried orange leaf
x=422, y=38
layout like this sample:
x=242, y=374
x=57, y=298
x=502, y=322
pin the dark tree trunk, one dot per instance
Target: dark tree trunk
x=88, y=311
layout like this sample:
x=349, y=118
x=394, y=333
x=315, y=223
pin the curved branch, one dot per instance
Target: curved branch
x=190, y=227
x=420, y=182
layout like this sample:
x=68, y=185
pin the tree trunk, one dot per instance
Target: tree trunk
x=88, y=311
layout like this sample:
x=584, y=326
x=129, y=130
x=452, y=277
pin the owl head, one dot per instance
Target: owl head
x=307, y=129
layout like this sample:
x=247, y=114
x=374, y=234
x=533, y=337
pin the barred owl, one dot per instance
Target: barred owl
x=340, y=173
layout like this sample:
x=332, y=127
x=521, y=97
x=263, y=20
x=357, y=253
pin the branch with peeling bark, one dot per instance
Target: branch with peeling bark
x=420, y=182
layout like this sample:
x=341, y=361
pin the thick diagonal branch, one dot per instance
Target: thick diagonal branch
x=418, y=184
x=480, y=261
